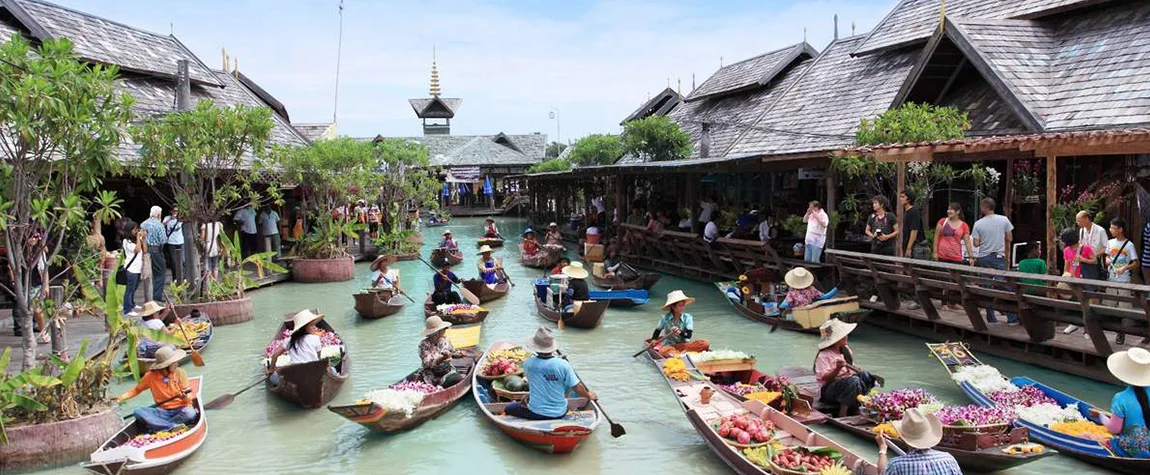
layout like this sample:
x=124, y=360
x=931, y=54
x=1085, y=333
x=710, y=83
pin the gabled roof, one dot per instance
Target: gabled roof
x=913, y=21
x=265, y=96
x=751, y=73
x=662, y=104
x=104, y=41
x=235, y=92
x=435, y=107
x=316, y=131
x=480, y=150
x=822, y=109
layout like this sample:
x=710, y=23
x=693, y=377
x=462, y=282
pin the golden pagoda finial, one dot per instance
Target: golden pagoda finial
x=434, y=75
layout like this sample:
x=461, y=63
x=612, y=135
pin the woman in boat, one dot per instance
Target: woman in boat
x=613, y=264
x=490, y=269
x=382, y=277
x=448, y=241
x=152, y=315
x=553, y=237
x=489, y=228
x=1129, y=418
x=169, y=387
x=577, y=289
x=921, y=431
x=677, y=327
x=303, y=346
x=840, y=381
x=801, y=290
x=435, y=354
x=550, y=380
x=558, y=269
x=441, y=282
x=530, y=244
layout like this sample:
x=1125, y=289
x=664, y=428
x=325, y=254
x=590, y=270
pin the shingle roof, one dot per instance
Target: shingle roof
x=913, y=21
x=821, y=110
x=314, y=131
x=103, y=41
x=421, y=105
x=661, y=104
x=480, y=150
x=750, y=73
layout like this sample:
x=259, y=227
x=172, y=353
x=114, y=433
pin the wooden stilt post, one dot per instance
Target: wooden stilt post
x=830, y=207
x=1008, y=206
x=1051, y=200
x=899, y=211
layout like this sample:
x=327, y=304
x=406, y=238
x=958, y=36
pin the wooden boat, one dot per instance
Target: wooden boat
x=437, y=223
x=540, y=260
x=374, y=304
x=789, y=431
x=758, y=314
x=485, y=293
x=956, y=355
x=645, y=281
x=454, y=318
x=589, y=315
x=313, y=384
x=812, y=316
x=557, y=436
x=489, y=241
x=622, y=298
x=725, y=374
x=453, y=256
x=378, y=419
x=199, y=342
x=114, y=458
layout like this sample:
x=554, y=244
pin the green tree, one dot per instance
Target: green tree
x=655, y=139
x=61, y=124
x=911, y=123
x=406, y=180
x=553, y=165
x=200, y=160
x=554, y=149
x=595, y=149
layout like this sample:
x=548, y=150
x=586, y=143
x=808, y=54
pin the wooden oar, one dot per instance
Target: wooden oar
x=617, y=429
x=503, y=273
x=397, y=289
x=227, y=398
x=467, y=295
x=158, y=404
x=649, y=347
x=197, y=358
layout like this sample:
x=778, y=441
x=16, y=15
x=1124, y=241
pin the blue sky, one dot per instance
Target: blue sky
x=510, y=61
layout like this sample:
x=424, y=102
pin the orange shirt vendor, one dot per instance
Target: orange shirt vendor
x=169, y=387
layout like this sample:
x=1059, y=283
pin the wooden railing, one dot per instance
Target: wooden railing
x=1098, y=306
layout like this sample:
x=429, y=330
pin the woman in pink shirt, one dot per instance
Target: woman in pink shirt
x=840, y=381
x=1075, y=254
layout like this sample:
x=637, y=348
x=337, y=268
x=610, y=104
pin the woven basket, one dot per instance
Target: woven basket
x=502, y=392
x=480, y=375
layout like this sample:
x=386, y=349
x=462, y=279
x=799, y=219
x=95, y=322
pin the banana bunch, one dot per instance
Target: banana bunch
x=516, y=355
x=836, y=469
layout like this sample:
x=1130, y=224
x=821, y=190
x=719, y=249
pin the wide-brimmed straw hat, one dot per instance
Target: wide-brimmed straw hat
x=918, y=429
x=575, y=270
x=303, y=318
x=381, y=260
x=484, y=249
x=542, y=342
x=446, y=232
x=833, y=330
x=799, y=278
x=677, y=296
x=1131, y=366
x=166, y=356
x=434, y=325
x=552, y=225
x=150, y=308
x=489, y=218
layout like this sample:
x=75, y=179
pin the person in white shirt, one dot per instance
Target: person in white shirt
x=210, y=236
x=383, y=277
x=708, y=210
x=711, y=232
x=764, y=227
x=303, y=346
x=816, y=238
x=134, y=246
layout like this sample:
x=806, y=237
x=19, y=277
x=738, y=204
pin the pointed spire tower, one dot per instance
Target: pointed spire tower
x=435, y=111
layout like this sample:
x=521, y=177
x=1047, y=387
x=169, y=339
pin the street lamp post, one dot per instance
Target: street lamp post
x=555, y=115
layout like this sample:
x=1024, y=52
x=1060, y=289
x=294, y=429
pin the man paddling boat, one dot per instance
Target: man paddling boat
x=489, y=267
x=550, y=378
x=170, y=389
x=677, y=327
x=441, y=283
x=448, y=241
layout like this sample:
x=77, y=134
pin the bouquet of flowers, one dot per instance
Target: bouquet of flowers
x=1026, y=396
x=975, y=415
x=1045, y=414
x=985, y=378
x=889, y=406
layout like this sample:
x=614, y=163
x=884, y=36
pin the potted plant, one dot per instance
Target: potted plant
x=225, y=299
x=1026, y=181
x=321, y=255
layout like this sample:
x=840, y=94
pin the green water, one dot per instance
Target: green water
x=260, y=434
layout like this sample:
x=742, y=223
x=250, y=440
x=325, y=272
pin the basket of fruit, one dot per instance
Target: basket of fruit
x=510, y=388
x=503, y=363
x=805, y=460
x=744, y=430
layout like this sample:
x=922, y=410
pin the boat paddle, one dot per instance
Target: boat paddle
x=197, y=358
x=503, y=273
x=158, y=404
x=397, y=289
x=467, y=295
x=617, y=429
x=227, y=398
x=649, y=347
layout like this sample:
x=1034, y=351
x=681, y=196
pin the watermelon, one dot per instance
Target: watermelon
x=515, y=384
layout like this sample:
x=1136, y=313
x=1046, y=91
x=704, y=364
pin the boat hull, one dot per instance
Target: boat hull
x=374, y=305
x=645, y=281
x=485, y=293
x=454, y=318
x=313, y=384
x=452, y=257
x=589, y=315
x=493, y=242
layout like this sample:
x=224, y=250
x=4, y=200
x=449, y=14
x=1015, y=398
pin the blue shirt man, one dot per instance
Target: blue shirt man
x=247, y=219
x=269, y=222
x=550, y=379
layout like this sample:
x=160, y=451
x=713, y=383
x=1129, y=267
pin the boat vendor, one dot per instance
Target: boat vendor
x=840, y=382
x=441, y=282
x=1129, y=418
x=530, y=244
x=435, y=354
x=577, y=289
x=921, y=431
x=550, y=380
x=490, y=268
x=382, y=277
x=677, y=327
x=614, y=265
x=801, y=289
x=553, y=236
x=153, y=315
x=489, y=228
x=448, y=241
x=170, y=389
x=303, y=346
x=558, y=269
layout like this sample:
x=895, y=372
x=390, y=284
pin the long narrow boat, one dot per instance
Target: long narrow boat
x=375, y=304
x=956, y=355
x=724, y=374
x=645, y=281
x=589, y=315
x=758, y=315
x=540, y=260
x=558, y=436
x=454, y=256
x=484, y=292
x=379, y=419
x=489, y=241
x=455, y=318
x=622, y=298
x=199, y=341
x=789, y=432
x=313, y=384
x=116, y=457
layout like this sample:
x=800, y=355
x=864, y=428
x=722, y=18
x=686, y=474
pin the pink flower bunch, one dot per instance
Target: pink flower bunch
x=776, y=384
x=275, y=344
x=418, y=386
x=1027, y=396
x=972, y=415
x=740, y=389
x=890, y=405
x=330, y=339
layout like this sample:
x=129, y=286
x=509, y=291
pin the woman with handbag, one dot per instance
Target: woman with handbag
x=129, y=274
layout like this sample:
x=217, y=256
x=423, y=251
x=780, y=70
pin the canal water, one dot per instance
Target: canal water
x=260, y=434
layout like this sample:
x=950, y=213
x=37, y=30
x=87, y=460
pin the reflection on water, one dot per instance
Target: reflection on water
x=260, y=434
